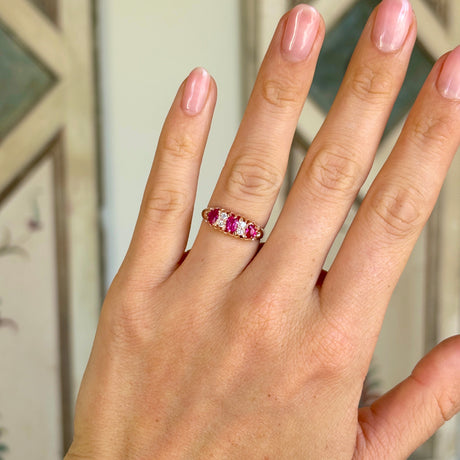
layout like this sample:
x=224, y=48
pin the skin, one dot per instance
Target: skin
x=236, y=351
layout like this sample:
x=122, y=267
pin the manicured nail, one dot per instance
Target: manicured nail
x=300, y=33
x=392, y=23
x=449, y=78
x=196, y=91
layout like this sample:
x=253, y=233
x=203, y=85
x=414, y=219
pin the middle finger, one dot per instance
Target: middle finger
x=255, y=167
x=341, y=155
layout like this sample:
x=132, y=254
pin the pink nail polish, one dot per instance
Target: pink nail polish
x=449, y=78
x=300, y=33
x=392, y=23
x=196, y=91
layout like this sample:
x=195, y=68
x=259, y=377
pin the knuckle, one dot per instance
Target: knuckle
x=260, y=325
x=333, y=350
x=431, y=131
x=372, y=442
x=179, y=145
x=332, y=170
x=130, y=328
x=444, y=405
x=371, y=85
x=253, y=178
x=164, y=205
x=447, y=406
x=398, y=210
x=130, y=324
x=281, y=94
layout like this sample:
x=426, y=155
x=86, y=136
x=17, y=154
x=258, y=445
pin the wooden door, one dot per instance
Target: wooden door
x=425, y=307
x=49, y=231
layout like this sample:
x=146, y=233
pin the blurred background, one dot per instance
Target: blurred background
x=85, y=86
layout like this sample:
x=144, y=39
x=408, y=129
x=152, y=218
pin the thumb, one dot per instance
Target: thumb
x=405, y=417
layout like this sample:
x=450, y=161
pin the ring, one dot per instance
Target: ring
x=232, y=224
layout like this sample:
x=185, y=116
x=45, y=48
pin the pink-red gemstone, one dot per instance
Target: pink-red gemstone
x=232, y=224
x=213, y=215
x=251, y=231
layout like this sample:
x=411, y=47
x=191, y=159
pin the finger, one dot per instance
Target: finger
x=404, y=418
x=164, y=219
x=255, y=167
x=397, y=206
x=341, y=155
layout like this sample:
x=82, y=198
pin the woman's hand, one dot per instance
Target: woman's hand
x=232, y=352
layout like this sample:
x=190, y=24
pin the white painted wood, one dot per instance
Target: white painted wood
x=310, y=121
x=81, y=183
x=68, y=107
x=447, y=440
x=35, y=130
x=381, y=157
x=270, y=13
x=38, y=34
x=30, y=389
x=430, y=32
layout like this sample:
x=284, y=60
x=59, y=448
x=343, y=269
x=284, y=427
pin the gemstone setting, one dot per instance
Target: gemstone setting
x=213, y=215
x=241, y=229
x=232, y=224
x=222, y=220
x=251, y=231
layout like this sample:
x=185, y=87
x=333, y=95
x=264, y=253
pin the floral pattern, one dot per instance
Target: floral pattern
x=10, y=248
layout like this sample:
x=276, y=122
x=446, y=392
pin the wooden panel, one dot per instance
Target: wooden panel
x=440, y=8
x=33, y=339
x=49, y=8
x=24, y=80
x=80, y=145
x=38, y=34
x=67, y=108
x=35, y=130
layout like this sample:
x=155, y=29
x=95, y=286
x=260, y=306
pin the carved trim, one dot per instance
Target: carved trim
x=38, y=34
x=440, y=9
x=36, y=128
x=50, y=8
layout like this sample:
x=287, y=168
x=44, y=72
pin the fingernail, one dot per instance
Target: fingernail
x=449, y=78
x=196, y=91
x=392, y=23
x=300, y=33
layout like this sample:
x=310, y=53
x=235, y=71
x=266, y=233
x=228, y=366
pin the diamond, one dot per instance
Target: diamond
x=240, y=231
x=222, y=220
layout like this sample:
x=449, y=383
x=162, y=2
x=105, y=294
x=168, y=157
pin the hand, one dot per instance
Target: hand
x=236, y=352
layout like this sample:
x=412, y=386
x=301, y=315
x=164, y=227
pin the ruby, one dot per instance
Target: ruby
x=213, y=216
x=251, y=231
x=232, y=224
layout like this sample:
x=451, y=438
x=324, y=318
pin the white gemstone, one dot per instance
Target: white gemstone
x=222, y=220
x=240, y=231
